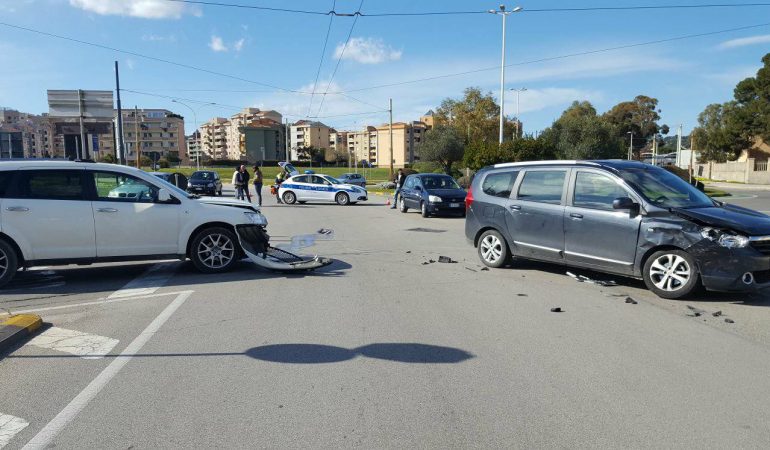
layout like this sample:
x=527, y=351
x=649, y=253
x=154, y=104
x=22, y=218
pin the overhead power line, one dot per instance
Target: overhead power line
x=358, y=13
x=321, y=62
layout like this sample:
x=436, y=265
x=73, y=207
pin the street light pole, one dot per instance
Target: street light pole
x=518, y=92
x=505, y=14
x=631, y=146
x=198, y=138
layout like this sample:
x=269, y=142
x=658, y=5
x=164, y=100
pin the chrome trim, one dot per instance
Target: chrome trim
x=615, y=261
x=759, y=238
x=540, y=247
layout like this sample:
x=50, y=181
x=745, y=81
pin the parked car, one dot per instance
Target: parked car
x=175, y=178
x=621, y=217
x=353, y=178
x=320, y=188
x=61, y=212
x=206, y=182
x=432, y=193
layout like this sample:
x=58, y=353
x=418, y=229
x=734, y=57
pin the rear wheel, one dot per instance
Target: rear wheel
x=493, y=250
x=9, y=263
x=671, y=274
x=214, y=250
x=289, y=197
x=342, y=199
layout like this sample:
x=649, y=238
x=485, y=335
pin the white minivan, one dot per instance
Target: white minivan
x=62, y=212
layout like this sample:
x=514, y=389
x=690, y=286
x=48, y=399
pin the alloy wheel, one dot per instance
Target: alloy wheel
x=216, y=251
x=491, y=249
x=670, y=272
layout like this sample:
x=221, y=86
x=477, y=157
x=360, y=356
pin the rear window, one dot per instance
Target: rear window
x=500, y=184
x=543, y=186
x=51, y=184
x=5, y=179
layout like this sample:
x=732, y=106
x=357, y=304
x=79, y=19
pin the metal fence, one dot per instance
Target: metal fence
x=760, y=166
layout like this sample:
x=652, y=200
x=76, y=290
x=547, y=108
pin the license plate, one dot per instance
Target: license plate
x=454, y=205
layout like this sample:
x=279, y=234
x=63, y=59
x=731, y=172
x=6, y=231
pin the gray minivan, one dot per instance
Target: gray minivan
x=621, y=217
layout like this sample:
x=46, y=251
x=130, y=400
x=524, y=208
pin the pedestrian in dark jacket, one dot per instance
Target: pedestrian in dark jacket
x=246, y=178
x=400, y=177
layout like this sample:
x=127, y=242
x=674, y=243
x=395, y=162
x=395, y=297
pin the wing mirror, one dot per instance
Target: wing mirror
x=418, y=188
x=164, y=196
x=626, y=203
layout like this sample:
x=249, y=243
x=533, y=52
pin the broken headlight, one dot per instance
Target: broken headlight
x=724, y=238
x=256, y=218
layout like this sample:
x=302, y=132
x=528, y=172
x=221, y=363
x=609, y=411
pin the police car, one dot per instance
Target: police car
x=319, y=188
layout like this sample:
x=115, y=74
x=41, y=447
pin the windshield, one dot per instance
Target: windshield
x=202, y=176
x=333, y=180
x=664, y=189
x=440, y=182
x=175, y=190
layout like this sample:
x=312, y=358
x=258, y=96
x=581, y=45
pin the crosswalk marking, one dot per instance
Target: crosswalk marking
x=88, y=346
x=9, y=427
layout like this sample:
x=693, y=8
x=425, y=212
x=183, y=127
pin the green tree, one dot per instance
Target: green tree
x=480, y=154
x=109, y=158
x=722, y=132
x=442, y=145
x=581, y=134
x=531, y=149
x=475, y=116
x=639, y=116
x=752, y=96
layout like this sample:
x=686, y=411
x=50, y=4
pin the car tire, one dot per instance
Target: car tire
x=424, y=209
x=493, y=250
x=402, y=205
x=289, y=197
x=658, y=271
x=9, y=263
x=342, y=199
x=220, y=193
x=214, y=250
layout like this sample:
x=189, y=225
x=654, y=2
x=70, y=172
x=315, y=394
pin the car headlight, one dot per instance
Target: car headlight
x=724, y=238
x=434, y=199
x=255, y=218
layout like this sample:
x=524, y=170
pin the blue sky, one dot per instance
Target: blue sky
x=283, y=50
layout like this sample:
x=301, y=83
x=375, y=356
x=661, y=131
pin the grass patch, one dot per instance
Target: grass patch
x=711, y=192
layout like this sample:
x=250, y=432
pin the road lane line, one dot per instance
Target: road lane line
x=88, y=346
x=45, y=436
x=100, y=301
x=9, y=427
x=150, y=281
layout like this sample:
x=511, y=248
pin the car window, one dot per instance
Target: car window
x=51, y=184
x=203, y=176
x=112, y=186
x=409, y=182
x=500, y=184
x=5, y=179
x=300, y=179
x=542, y=186
x=596, y=191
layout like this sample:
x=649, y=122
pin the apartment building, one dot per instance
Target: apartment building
x=34, y=132
x=157, y=133
x=214, y=137
x=307, y=133
x=429, y=119
x=237, y=122
x=406, y=142
x=262, y=140
x=362, y=145
x=194, y=147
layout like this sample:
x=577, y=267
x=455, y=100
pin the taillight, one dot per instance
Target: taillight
x=469, y=198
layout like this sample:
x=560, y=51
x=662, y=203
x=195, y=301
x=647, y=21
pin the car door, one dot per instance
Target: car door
x=128, y=218
x=48, y=212
x=411, y=192
x=300, y=186
x=597, y=235
x=535, y=216
x=325, y=190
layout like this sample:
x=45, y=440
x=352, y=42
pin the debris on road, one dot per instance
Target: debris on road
x=631, y=301
x=325, y=231
x=522, y=295
x=485, y=269
x=717, y=313
x=472, y=270
x=584, y=279
x=695, y=312
x=430, y=261
x=446, y=260
x=426, y=230
x=556, y=310
x=729, y=320
x=409, y=251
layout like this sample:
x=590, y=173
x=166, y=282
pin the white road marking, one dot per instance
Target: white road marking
x=45, y=436
x=99, y=301
x=89, y=346
x=147, y=283
x=9, y=427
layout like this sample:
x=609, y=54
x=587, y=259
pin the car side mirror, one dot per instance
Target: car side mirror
x=164, y=196
x=623, y=203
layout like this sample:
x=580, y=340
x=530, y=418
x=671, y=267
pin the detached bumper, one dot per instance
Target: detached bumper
x=255, y=244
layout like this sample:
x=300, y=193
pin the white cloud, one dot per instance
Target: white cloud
x=217, y=44
x=743, y=42
x=367, y=51
x=147, y=9
x=238, y=45
x=540, y=99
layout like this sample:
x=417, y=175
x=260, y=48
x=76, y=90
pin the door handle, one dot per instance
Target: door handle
x=107, y=210
x=516, y=207
x=576, y=216
x=17, y=208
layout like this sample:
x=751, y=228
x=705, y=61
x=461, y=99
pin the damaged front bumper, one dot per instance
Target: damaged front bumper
x=255, y=243
x=731, y=270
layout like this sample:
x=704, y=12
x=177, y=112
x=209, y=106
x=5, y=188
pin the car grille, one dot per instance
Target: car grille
x=762, y=246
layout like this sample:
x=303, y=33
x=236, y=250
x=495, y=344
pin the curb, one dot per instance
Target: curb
x=16, y=328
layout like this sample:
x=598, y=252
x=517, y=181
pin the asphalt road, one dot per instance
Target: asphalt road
x=379, y=350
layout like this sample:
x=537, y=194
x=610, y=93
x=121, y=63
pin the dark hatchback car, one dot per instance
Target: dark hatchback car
x=620, y=217
x=432, y=193
x=206, y=182
x=175, y=178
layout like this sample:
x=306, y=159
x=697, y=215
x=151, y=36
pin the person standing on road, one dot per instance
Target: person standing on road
x=245, y=176
x=238, y=183
x=258, y=184
x=399, y=184
x=278, y=180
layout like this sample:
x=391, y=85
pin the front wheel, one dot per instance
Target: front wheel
x=214, y=250
x=493, y=250
x=342, y=199
x=9, y=263
x=671, y=274
x=289, y=197
x=424, y=209
x=402, y=205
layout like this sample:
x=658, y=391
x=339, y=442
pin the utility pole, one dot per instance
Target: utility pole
x=505, y=14
x=137, y=151
x=287, y=130
x=390, y=128
x=82, y=151
x=518, y=92
x=631, y=146
x=692, y=154
x=120, y=141
x=679, y=146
